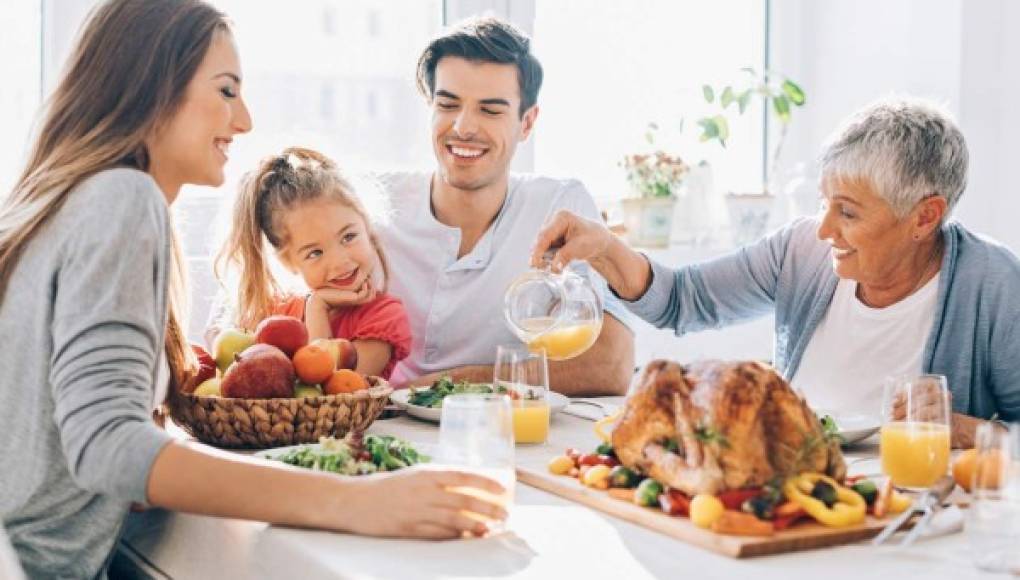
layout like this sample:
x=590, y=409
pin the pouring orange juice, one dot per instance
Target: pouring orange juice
x=915, y=436
x=560, y=342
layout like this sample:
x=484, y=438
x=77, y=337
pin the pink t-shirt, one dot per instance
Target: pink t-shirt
x=381, y=319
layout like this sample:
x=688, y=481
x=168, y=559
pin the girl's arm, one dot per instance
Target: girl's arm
x=317, y=317
x=323, y=300
x=373, y=355
x=414, y=502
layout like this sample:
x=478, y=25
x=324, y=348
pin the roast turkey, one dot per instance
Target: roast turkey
x=712, y=426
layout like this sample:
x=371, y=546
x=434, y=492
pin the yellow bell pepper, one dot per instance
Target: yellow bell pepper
x=602, y=423
x=848, y=510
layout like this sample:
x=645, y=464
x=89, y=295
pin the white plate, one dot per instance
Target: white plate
x=853, y=427
x=557, y=403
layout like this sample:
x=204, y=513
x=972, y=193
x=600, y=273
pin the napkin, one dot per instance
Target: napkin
x=945, y=521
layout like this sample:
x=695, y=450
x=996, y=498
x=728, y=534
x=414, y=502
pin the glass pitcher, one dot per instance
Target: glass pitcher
x=561, y=313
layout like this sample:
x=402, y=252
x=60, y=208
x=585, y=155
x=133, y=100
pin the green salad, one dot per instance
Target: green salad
x=433, y=396
x=355, y=455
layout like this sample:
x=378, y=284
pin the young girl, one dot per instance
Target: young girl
x=300, y=205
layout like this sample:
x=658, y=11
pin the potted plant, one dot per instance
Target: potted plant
x=750, y=212
x=656, y=181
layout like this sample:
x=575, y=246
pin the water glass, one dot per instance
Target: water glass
x=993, y=520
x=915, y=436
x=525, y=375
x=476, y=435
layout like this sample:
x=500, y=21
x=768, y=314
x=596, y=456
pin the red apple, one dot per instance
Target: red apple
x=261, y=371
x=284, y=332
x=206, y=367
x=347, y=357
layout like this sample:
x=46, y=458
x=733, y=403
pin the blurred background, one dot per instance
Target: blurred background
x=622, y=79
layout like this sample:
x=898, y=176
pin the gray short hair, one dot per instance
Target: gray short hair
x=907, y=149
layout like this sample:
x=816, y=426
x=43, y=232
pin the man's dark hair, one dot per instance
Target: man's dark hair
x=484, y=40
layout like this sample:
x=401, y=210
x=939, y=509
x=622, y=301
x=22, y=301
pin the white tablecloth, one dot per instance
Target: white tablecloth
x=550, y=538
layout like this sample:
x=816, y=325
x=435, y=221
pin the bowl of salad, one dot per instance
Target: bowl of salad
x=427, y=402
x=354, y=454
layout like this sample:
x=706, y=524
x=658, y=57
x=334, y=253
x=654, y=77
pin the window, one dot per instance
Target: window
x=344, y=86
x=21, y=92
x=614, y=67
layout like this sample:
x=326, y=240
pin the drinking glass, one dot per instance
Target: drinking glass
x=993, y=520
x=525, y=375
x=914, y=441
x=476, y=435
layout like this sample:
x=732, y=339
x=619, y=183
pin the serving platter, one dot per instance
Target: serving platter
x=804, y=535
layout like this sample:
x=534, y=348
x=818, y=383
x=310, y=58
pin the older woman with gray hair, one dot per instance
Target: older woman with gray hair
x=879, y=284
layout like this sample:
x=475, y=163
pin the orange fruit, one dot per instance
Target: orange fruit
x=313, y=364
x=345, y=381
x=966, y=465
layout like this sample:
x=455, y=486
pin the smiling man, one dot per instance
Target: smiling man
x=459, y=235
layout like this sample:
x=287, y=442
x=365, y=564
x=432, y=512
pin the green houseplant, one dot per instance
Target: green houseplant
x=656, y=181
x=750, y=212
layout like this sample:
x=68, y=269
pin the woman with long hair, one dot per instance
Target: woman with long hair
x=92, y=289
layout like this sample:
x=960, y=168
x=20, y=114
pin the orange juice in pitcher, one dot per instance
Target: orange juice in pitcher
x=561, y=342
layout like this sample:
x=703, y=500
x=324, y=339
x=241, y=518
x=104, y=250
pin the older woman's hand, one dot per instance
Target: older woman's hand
x=571, y=237
x=927, y=406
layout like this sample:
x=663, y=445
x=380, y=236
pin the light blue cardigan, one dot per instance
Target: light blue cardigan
x=974, y=340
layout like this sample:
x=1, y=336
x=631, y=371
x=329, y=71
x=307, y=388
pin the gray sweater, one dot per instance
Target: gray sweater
x=974, y=340
x=82, y=322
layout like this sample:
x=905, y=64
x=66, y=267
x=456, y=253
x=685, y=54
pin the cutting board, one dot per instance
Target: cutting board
x=803, y=535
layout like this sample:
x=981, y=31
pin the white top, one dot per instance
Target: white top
x=855, y=348
x=455, y=306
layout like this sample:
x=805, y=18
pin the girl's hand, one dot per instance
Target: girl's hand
x=334, y=298
x=417, y=503
x=571, y=237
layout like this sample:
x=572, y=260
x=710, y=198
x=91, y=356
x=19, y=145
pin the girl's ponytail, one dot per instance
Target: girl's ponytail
x=245, y=251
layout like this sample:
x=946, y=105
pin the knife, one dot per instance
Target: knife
x=925, y=504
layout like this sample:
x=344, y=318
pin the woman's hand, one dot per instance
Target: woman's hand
x=928, y=406
x=572, y=237
x=417, y=503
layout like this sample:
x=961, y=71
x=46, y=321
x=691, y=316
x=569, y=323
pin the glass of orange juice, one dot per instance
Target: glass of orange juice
x=476, y=435
x=525, y=375
x=914, y=441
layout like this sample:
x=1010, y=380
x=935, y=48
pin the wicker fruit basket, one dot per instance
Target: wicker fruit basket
x=261, y=423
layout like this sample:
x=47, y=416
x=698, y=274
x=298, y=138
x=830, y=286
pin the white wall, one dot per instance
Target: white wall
x=847, y=53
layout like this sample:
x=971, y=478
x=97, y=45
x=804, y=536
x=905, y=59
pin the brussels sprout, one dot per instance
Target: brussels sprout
x=867, y=489
x=647, y=493
x=760, y=506
x=620, y=476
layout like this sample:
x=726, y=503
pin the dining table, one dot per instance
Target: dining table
x=546, y=537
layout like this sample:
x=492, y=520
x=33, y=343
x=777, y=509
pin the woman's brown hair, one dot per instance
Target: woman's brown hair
x=126, y=77
x=281, y=182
